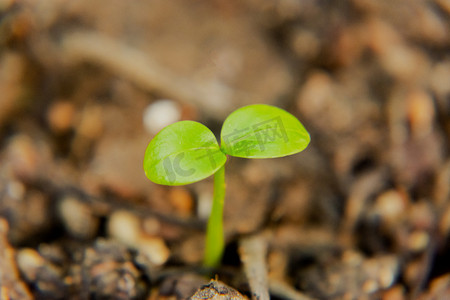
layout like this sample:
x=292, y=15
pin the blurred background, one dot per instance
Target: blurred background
x=362, y=213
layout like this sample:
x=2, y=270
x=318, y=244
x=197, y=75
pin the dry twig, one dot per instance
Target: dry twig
x=253, y=251
x=141, y=69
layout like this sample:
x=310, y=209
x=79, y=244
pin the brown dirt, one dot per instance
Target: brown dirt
x=362, y=213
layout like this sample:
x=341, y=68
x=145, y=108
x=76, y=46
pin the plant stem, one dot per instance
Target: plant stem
x=215, y=241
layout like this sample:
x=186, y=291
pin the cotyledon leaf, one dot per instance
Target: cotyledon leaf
x=262, y=131
x=182, y=153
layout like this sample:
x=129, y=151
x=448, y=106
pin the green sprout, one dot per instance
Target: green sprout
x=187, y=152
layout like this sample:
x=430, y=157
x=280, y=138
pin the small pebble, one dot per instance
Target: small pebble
x=60, y=116
x=347, y=45
x=204, y=204
x=159, y=114
x=16, y=190
x=154, y=248
x=304, y=43
x=12, y=71
x=418, y=241
x=111, y=273
x=191, y=249
x=370, y=286
x=431, y=26
x=53, y=253
x=440, y=285
x=90, y=125
x=441, y=191
x=421, y=215
x=412, y=272
x=182, y=201
x=444, y=223
x=278, y=264
x=23, y=156
x=37, y=209
x=78, y=218
x=382, y=269
x=352, y=258
x=227, y=62
x=4, y=227
x=151, y=226
x=440, y=78
x=388, y=272
x=29, y=262
x=125, y=227
x=391, y=205
x=395, y=293
x=257, y=172
x=402, y=62
x=316, y=94
x=420, y=113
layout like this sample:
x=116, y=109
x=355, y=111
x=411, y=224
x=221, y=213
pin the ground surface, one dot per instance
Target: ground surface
x=363, y=213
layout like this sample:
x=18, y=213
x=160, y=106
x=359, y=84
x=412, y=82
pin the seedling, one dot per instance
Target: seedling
x=187, y=152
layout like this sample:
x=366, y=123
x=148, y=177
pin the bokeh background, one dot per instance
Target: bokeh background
x=362, y=213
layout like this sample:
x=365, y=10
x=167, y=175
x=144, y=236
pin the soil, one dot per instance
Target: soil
x=362, y=213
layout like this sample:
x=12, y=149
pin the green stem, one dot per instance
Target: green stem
x=215, y=241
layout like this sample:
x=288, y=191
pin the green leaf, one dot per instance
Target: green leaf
x=262, y=131
x=182, y=153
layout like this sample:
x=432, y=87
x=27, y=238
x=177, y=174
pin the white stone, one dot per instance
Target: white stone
x=159, y=114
